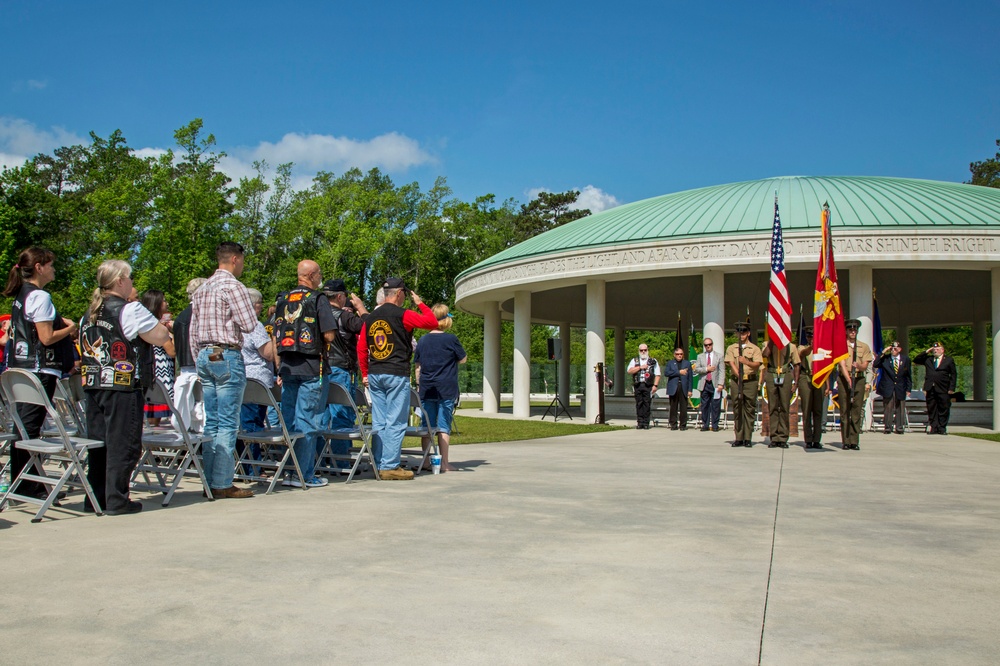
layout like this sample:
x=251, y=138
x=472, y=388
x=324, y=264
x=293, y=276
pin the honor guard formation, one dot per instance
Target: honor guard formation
x=779, y=379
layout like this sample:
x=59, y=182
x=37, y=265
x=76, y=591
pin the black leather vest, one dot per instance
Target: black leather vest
x=27, y=351
x=110, y=361
x=182, y=326
x=390, y=345
x=295, y=325
x=341, y=353
x=647, y=376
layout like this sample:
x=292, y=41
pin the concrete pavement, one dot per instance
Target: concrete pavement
x=622, y=547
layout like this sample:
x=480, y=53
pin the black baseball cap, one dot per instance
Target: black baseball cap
x=394, y=283
x=334, y=285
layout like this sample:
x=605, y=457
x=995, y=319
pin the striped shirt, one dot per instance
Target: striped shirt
x=221, y=312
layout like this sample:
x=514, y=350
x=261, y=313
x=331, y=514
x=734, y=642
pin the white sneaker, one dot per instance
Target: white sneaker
x=291, y=482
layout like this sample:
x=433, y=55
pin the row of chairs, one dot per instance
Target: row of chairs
x=169, y=455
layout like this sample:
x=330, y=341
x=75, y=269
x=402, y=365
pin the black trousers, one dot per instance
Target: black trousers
x=643, y=399
x=32, y=416
x=679, y=406
x=938, y=410
x=115, y=418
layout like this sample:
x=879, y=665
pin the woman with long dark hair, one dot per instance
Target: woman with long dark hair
x=163, y=357
x=36, y=331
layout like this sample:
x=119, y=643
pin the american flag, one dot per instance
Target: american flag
x=779, y=306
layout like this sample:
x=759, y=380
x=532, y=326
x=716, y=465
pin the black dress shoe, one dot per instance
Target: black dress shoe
x=783, y=445
x=748, y=443
x=715, y=430
x=737, y=442
x=133, y=507
x=704, y=429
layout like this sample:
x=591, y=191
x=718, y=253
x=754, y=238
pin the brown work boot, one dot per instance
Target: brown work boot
x=397, y=474
x=232, y=492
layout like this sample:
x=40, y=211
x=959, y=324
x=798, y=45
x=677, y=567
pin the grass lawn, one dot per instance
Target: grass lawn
x=991, y=436
x=475, y=430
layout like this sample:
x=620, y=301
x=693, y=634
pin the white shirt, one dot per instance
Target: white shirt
x=256, y=367
x=136, y=319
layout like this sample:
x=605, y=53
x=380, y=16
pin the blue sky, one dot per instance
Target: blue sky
x=624, y=101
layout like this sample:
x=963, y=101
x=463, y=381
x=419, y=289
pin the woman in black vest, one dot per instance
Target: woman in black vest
x=36, y=331
x=115, y=371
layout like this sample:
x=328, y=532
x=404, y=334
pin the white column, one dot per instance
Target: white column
x=491, y=358
x=522, y=354
x=620, y=361
x=595, y=343
x=979, y=368
x=861, y=302
x=996, y=346
x=564, y=361
x=713, y=308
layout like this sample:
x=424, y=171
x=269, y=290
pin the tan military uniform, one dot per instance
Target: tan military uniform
x=778, y=380
x=810, y=398
x=745, y=404
x=852, y=411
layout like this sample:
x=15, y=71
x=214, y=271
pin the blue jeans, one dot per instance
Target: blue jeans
x=390, y=407
x=303, y=404
x=223, y=383
x=438, y=413
x=340, y=416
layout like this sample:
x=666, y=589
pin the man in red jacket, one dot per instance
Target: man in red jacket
x=385, y=369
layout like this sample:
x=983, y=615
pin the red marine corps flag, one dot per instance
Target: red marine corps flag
x=829, y=335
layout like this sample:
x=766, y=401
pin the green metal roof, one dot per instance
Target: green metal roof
x=748, y=207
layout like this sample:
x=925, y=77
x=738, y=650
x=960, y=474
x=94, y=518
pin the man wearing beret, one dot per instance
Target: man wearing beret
x=851, y=390
x=744, y=359
x=386, y=371
x=939, y=385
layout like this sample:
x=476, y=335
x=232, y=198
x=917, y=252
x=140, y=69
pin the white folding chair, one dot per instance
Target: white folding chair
x=271, y=442
x=360, y=433
x=169, y=455
x=20, y=386
x=419, y=426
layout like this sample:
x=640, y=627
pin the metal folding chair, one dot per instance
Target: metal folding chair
x=6, y=437
x=359, y=433
x=277, y=446
x=419, y=426
x=169, y=455
x=20, y=386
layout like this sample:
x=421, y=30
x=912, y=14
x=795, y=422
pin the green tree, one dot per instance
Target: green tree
x=986, y=172
x=546, y=211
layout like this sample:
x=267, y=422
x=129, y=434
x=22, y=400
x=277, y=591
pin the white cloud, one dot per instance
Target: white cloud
x=593, y=198
x=21, y=140
x=323, y=152
x=34, y=84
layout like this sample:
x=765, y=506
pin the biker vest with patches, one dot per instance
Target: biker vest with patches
x=647, y=376
x=27, y=351
x=390, y=345
x=295, y=325
x=110, y=361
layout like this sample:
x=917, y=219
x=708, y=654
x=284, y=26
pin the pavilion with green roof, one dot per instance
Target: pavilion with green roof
x=930, y=249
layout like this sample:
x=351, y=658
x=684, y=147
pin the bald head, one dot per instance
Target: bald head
x=309, y=274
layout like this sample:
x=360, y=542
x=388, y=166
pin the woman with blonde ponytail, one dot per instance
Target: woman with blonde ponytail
x=37, y=333
x=114, y=377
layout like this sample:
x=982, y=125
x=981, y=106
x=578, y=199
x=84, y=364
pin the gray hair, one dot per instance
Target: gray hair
x=194, y=284
x=255, y=296
x=380, y=296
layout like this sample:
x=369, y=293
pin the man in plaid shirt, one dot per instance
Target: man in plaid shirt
x=221, y=312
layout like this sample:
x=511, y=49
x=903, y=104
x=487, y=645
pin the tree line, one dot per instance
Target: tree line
x=165, y=215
